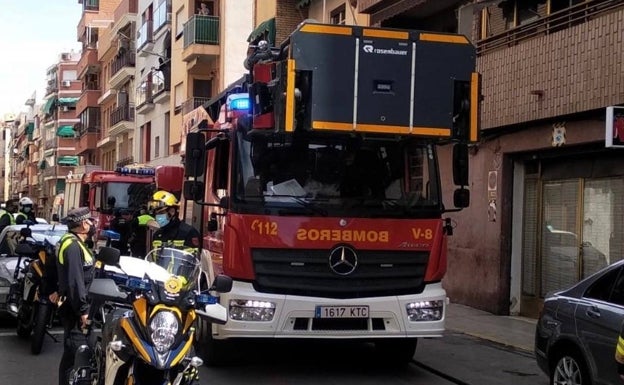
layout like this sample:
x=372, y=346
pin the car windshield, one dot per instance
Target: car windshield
x=317, y=174
x=11, y=235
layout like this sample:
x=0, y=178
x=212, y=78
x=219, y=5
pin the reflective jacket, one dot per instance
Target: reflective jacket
x=6, y=219
x=177, y=233
x=75, y=265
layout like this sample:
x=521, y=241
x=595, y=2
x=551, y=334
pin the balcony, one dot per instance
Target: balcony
x=552, y=57
x=59, y=143
x=145, y=39
x=56, y=172
x=122, y=120
x=122, y=69
x=88, y=63
x=201, y=38
x=192, y=103
x=369, y=6
x=88, y=98
x=144, y=96
x=86, y=140
x=124, y=14
x=160, y=87
x=162, y=16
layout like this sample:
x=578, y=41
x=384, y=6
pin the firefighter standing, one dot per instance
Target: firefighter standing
x=172, y=229
x=26, y=212
x=75, y=265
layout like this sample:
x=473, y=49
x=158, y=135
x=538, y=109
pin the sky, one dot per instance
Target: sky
x=33, y=34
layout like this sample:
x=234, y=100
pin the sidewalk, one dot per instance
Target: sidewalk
x=517, y=332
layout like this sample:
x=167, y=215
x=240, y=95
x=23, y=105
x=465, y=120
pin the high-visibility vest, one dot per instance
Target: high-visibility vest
x=143, y=219
x=3, y=212
x=87, y=258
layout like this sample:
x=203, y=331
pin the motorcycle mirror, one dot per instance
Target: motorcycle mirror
x=214, y=313
x=109, y=256
x=26, y=232
x=222, y=284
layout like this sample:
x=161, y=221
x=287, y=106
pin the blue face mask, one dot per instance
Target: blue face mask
x=162, y=219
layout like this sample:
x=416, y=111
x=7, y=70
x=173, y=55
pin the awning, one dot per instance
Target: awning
x=47, y=107
x=67, y=101
x=265, y=30
x=66, y=132
x=67, y=161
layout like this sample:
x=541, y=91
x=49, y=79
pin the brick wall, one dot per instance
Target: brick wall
x=287, y=18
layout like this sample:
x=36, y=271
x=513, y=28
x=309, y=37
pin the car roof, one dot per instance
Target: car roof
x=578, y=289
x=40, y=227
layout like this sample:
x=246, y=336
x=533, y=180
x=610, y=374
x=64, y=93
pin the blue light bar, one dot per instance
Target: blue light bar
x=238, y=102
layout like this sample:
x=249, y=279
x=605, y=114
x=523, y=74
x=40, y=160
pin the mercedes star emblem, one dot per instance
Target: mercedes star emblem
x=343, y=260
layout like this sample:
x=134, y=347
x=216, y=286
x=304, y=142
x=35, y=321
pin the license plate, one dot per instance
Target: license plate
x=341, y=312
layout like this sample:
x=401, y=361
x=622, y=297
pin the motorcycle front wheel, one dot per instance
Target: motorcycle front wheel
x=41, y=319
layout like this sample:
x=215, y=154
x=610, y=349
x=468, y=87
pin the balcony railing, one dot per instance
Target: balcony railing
x=201, y=30
x=192, y=103
x=159, y=83
x=122, y=113
x=144, y=93
x=146, y=34
x=124, y=162
x=127, y=59
x=552, y=23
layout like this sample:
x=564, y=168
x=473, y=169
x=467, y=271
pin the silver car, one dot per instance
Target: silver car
x=578, y=329
x=8, y=260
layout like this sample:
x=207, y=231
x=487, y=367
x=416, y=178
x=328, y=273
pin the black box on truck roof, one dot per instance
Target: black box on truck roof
x=383, y=80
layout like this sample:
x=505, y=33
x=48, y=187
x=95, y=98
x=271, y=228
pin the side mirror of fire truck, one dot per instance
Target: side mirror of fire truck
x=194, y=190
x=195, y=155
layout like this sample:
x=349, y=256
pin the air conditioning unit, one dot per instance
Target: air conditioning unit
x=66, y=83
x=65, y=56
x=65, y=109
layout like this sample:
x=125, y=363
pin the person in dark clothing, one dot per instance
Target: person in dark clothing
x=6, y=214
x=75, y=263
x=121, y=224
x=138, y=239
x=172, y=230
x=26, y=211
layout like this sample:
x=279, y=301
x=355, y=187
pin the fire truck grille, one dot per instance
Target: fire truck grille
x=308, y=273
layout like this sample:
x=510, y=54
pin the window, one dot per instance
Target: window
x=558, y=5
x=167, y=134
x=180, y=20
x=602, y=288
x=179, y=97
x=157, y=147
x=70, y=75
x=337, y=16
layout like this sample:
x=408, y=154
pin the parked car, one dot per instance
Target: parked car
x=8, y=261
x=578, y=328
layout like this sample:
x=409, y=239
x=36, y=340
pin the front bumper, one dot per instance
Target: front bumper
x=294, y=317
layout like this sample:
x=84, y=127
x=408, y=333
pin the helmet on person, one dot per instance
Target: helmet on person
x=163, y=199
x=25, y=202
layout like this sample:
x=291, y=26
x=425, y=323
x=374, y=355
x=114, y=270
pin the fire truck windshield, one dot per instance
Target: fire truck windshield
x=124, y=195
x=319, y=174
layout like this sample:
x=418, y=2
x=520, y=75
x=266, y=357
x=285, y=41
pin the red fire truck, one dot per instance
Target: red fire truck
x=318, y=189
x=128, y=187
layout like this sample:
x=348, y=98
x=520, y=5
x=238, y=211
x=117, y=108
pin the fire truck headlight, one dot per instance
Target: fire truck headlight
x=425, y=310
x=248, y=310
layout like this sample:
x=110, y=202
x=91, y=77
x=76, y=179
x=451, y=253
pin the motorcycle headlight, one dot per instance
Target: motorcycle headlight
x=164, y=326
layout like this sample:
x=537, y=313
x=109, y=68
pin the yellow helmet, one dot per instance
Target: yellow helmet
x=162, y=199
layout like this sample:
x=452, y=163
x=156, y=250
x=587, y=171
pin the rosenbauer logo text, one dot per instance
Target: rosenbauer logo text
x=382, y=51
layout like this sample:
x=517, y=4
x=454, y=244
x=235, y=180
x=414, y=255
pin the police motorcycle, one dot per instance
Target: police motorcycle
x=146, y=309
x=34, y=279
